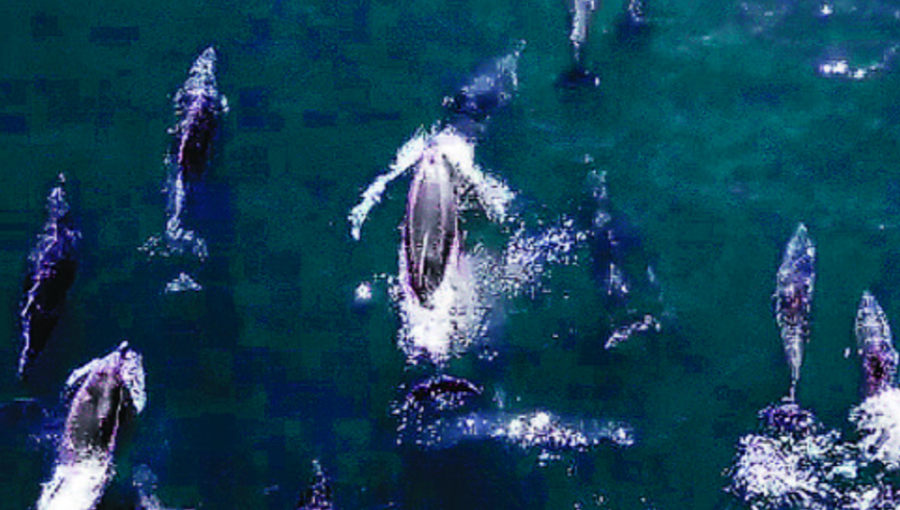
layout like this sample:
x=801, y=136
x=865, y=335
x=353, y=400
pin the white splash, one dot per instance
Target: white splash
x=452, y=324
x=545, y=430
x=145, y=482
x=77, y=485
x=182, y=283
x=780, y=472
x=878, y=421
x=441, y=144
x=132, y=374
x=526, y=255
x=842, y=68
x=176, y=240
x=363, y=293
x=623, y=333
x=582, y=11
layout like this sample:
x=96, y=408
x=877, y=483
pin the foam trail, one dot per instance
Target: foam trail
x=536, y=429
x=77, y=485
x=623, y=333
x=526, y=255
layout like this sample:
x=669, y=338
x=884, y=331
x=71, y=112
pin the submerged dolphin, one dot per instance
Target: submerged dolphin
x=318, y=495
x=199, y=104
x=490, y=90
x=793, y=298
x=632, y=25
x=875, y=346
x=52, y=266
x=106, y=394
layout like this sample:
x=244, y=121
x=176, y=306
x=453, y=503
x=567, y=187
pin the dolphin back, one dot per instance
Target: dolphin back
x=431, y=226
x=105, y=395
x=875, y=346
x=793, y=297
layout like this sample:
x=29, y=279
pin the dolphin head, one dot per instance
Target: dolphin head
x=105, y=395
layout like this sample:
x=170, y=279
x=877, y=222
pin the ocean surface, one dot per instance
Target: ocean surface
x=718, y=130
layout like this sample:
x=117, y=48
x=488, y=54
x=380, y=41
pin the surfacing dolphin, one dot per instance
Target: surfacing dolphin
x=439, y=298
x=431, y=237
x=52, y=266
x=793, y=299
x=875, y=346
x=105, y=395
x=877, y=418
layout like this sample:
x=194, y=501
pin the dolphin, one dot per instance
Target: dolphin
x=52, y=266
x=199, y=104
x=632, y=25
x=442, y=387
x=104, y=397
x=318, y=495
x=453, y=139
x=490, y=89
x=431, y=236
x=875, y=346
x=793, y=298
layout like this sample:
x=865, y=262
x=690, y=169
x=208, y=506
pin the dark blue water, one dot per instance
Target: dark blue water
x=719, y=132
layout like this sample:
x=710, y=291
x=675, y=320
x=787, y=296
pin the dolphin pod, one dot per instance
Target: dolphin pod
x=797, y=462
x=106, y=394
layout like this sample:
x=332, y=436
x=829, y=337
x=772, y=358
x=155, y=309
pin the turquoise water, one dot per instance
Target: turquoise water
x=718, y=135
